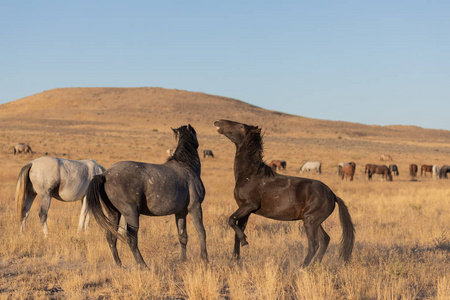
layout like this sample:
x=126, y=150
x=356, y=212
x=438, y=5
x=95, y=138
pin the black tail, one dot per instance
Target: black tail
x=96, y=199
x=348, y=230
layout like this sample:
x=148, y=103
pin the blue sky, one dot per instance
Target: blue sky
x=371, y=62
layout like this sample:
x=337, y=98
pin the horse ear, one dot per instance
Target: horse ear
x=174, y=130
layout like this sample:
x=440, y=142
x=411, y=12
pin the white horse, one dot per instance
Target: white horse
x=435, y=171
x=312, y=165
x=62, y=179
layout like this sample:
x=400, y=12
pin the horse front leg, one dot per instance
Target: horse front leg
x=242, y=223
x=197, y=219
x=182, y=234
x=242, y=213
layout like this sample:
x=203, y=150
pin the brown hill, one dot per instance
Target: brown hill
x=158, y=108
x=81, y=122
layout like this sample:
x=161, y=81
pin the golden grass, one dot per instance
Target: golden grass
x=401, y=252
x=402, y=227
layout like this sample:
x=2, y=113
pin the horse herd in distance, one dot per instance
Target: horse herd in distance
x=345, y=169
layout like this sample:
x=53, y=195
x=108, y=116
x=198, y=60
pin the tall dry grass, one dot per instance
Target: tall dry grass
x=401, y=252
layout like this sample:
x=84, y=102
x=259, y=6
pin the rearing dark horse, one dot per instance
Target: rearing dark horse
x=261, y=191
x=130, y=189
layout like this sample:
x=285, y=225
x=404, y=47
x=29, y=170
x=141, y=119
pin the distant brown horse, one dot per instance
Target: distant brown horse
x=278, y=165
x=261, y=191
x=348, y=170
x=367, y=168
x=386, y=157
x=425, y=169
x=382, y=170
x=413, y=170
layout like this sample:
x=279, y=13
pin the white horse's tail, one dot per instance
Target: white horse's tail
x=23, y=182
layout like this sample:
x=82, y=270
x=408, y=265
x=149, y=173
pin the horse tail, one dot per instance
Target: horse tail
x=23, y=182
x=96, y=199
x=348, y=230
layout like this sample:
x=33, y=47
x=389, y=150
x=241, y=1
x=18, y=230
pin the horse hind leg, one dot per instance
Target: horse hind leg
x=45, y=205
x=112, y=238
x=311, y=227
x=29, y=198
x=324, y=240
x=182, y=234
x=83, y=223
x=132, y=232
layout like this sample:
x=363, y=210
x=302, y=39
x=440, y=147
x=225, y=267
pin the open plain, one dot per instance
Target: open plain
x=402, y=248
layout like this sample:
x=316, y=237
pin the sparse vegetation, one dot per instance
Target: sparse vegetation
x=402, y=227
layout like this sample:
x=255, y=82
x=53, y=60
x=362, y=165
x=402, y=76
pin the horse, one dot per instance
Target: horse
x=22, y=148
x=386, y=157
x=260, y=190
x=394, y=169
x=278, y=165
x=208, y=153
x=413, y=170
x=435, y=171
x=367, y=168
x=340, y=165
x=311, y=165
x=63, y=179
x=128, y=189
x=348, y=170
x=425, y=169
x=443, y=171
x=382, y=170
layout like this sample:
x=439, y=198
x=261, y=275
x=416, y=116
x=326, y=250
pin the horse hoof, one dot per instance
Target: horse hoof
x=244, y=243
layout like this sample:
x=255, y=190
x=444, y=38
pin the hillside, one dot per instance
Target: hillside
x=158, y=108
x=134, y=123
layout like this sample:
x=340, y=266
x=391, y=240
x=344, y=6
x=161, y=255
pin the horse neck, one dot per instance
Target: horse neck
x=247, y=161
x=187, y=154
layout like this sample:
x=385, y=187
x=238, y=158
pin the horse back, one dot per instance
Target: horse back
x=66, y=180
x=154, y=189
x=283, y=197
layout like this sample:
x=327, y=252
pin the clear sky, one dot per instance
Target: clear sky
x=371, y=62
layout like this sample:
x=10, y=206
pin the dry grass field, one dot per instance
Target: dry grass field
x=402, y=248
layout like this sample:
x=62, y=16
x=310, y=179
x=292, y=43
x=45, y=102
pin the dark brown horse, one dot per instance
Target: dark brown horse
x=348, y=170
x=413, y=170
x=425, y=169
x=382, y=170
x=261, y=191
x=443, y=171
x=394, y=169
x=367, y=168
x=278, y=165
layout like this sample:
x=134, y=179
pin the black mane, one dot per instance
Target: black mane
x=253, y=146
x=186, y=151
